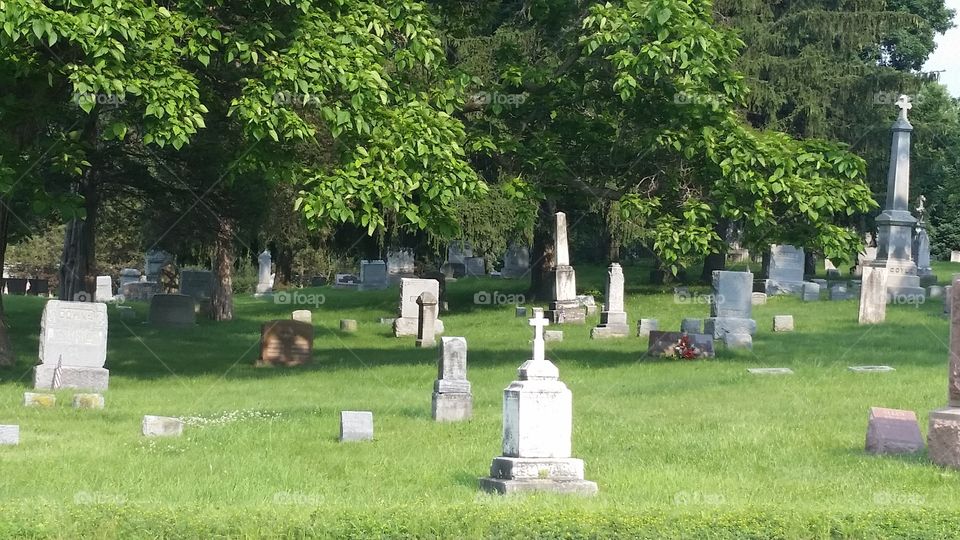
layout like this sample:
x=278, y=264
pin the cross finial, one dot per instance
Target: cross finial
x=904, y=103
x=538, y=322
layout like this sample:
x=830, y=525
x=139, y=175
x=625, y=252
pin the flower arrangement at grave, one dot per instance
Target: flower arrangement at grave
x=685, y=349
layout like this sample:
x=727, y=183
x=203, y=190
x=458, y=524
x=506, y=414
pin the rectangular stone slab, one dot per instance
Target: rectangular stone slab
x=74, y=334
x=10, y=435
x=286, y=343
x=893, y=431
x=771, y=371
x=871, y=369
x=507, y=487
x=74, y=377
x=943, y=437
x=662, y=343
x=356, y=426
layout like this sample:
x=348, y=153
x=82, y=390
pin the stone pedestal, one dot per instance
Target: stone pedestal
x=564, y=308
x=452, y=400
x=537, y=432
x=74, y=377
x=943, y=437
x=613, y=318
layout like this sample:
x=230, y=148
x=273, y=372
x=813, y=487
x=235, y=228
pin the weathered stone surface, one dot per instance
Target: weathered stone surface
x=840, y=291
x=811, y=292
x=738, y=341
x=516, y=262
x=302, y=315
x=356, y=426
x=935, y=291
x=409, y=327
x=783, y=323
x=770, y=371
x=691, y=326
x=9, y=435
x=943, y=437
x=161, y=426
x=104, y=290
x=758, y=298
x=870, y=369
x=718, y=327
x=88, y=401
x=44, y=401
x=427, y=324
x=140, y=291
x=452, y=407
x=172, y=310
x=401, y=261
x=475, y=266
x=409, y=310
x=508, y=487
x=347, y=325
x=264, y=273
x=72, y=377
x=613, y=318
x=955, y=256
x=286, y=343
x=664, y=343
x=873, y=295
x=373, y=275
x=645, y=326
x=786, y=270
x=893, y=431
x=73, y=334
x=197, y=284
x=520, y=311
x=553, y=335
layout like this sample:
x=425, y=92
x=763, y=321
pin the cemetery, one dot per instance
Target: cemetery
x=419, y=269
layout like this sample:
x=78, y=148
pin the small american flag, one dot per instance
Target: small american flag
x=57, y=374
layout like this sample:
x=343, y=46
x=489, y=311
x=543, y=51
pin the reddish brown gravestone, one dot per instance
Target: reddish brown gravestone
x=285, y=343
x=663, y=343
x=893, y=431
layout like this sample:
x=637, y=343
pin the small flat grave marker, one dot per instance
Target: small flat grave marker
x=10, y=435
x=356, y=426
x=893, y=431
x=34, y=399
x=870, y=369
x=771, y=371
x=161, y=426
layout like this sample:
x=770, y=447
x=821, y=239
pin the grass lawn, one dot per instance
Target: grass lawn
x=677, y=448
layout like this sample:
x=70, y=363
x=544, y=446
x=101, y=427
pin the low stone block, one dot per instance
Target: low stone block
x=935, y=291
x=770, y=371
x=72, y=377
x=738, y=341
x=893, y=431
x=758, y=298
x=387, y=320
x=507, y=487
x=783, y=323
x=356, y=426
x=870, y=369
x=691, y=326
x=553, y=335
x=721, y=326
x=407, y=326
x=645, y=326
x=88, y=401
x=452, y=407
x=521, y=311
x=172, y=310
x=610, y=331
x=517, y=468
x=811, y=292
x=44, y=401
x=348, y=325
x=943, y=437
x=9, y=435
x=302, y=315
x=161, y=426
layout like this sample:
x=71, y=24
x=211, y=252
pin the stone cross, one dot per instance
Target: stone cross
x=954, y=300
x=538, y=323
x=903, y=102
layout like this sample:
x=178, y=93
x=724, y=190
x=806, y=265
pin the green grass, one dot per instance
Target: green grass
x=726, y=452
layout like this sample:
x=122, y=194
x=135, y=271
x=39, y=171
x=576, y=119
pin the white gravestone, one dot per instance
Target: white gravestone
x=264, y=276
x=537, y=431
x=73, y=346
x=104, y=291
x=410, y=290
x=564, y=307
x=452, y=399
x=613, y=318
x=356, y=426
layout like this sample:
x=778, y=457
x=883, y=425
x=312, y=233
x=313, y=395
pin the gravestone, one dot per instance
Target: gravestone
x=401, y=262
x=9, y=435
x=870, y=369
x=645, y=326
x=427, y=324
x=129, y=275
x=516, y=262
x=770, y=371
x=161, y=426
x=154, y=261
x=935, y=291
x=613, y=318
x=16, y=286
x=452, y=400
x=588, y=302
x=302, y=315
x=346, y=281
x=373, y=275
x=38, y=287
x=731, y=307
x=140, y=291
x=457, y=253
x=88, y=401
x=264, y=273
x=553, y=335
x=786, y=271
x=893, y=431
x=409, y=311
x=356, y=426
x=943, y=435
x=520, y=311
x=104, y=290
x=921, y=254
x=73, y=346
x=665, y=344
x=738, y=341
x=474, y=266
x=895, y=224
x=285, y=343
x=172, y=310
x=348, y=325
x=691, y=326
x=758, y=298
x=873, y=295
x=955, y=256
x=811, y=292
x=783, y=323
x=562, y=279
x=537, y=431
x=43, y=401
x=840, y=291
x=865, y=257
x=197, y=284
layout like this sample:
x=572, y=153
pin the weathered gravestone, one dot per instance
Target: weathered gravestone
x=346, y=281
x=516, y=262
x=128, y=275
x=104, y=290
x=564, y=307
x=410, y=290
x=373, y=275
x=197, y=284
x=770, y=371
x=873, y=295
x=955, y=256
x=348, y=325
x=73, y=346
x=840, y=291
x=302, y=315
x=613, y=318
x=537, y=431
x=172, y=310
x=667, y=343
x=154, y=261
x=16, y=286
x=943, y=436
x=9, y=435
x=811, y=291
x=475, y=266
x=691, y=326
x=553, y=335
x=400, y=262
x=88, y=401
x=427, y=323
x=264, y=273
x=893, y=431
x=758, y=298
x=356, y=426
x=452, y=399
x=870, y=369
x=161, y=426
x=285, y=343
x=731, y=307
x=783, y=323
x=43, y=401
x=786, y=270
x=457, y=253
x=38, y=287
x=645, y=326
x=140, y=291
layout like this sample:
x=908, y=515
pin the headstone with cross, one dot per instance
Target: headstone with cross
x=537, y=430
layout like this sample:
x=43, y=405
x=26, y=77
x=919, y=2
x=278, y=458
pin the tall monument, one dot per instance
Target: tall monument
x=895, y=224
x=564, y=307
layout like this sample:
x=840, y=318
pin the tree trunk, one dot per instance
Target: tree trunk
x=221, y=300
x=716, y=261
x=7, y=357
x=91, y=202
x=541, y=256
x=283, y=261
x=73, y=264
